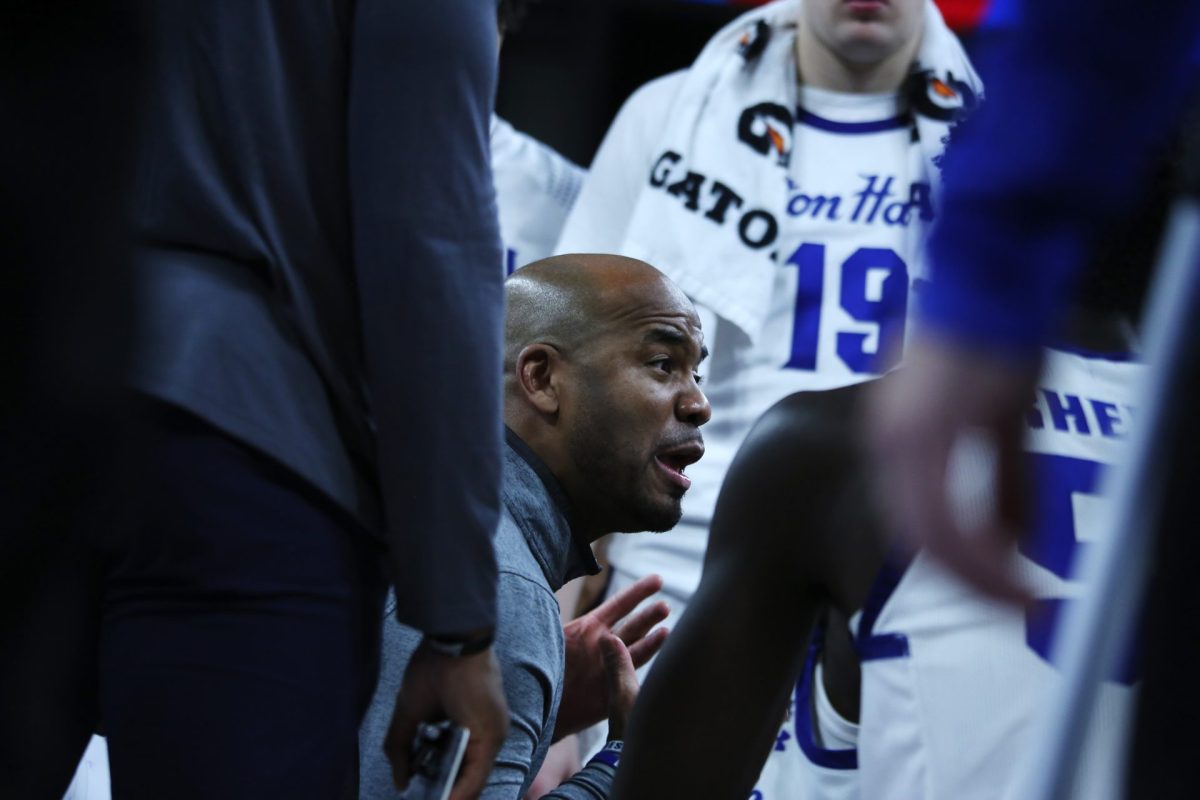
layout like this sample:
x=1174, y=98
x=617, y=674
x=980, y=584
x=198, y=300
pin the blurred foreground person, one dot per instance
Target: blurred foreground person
x=311, y=254
x=603, y=412
x=1018, y=221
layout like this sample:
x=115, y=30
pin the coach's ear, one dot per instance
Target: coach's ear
x=539, y=368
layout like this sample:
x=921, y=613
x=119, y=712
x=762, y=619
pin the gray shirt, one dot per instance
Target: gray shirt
x=537, y=553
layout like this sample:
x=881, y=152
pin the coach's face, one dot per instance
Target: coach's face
x=864, y=31
x=633, y=408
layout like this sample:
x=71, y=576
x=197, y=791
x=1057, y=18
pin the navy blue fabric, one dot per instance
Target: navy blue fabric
x=1056, y=151
x=239, y=643
x=316, y=224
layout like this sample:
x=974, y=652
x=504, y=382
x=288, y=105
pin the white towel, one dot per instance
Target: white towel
x=729, y=266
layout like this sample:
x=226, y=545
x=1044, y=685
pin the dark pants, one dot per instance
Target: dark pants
x=69, y=87
x=240, y=636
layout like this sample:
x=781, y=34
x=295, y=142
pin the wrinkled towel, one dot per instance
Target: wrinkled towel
x=731, y=123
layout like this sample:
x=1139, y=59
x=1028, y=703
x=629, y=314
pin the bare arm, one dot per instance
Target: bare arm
x=764, y=555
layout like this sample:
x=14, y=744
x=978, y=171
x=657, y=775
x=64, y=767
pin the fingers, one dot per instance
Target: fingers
x=642, y=651
x=622, y=683
x=1012, y=476
x=983, y=561
x=618, y=666
x=640, y=623
x=616, y=607
x=476, y=766
x=917, y=415
x=914, y=482
x=396, y=745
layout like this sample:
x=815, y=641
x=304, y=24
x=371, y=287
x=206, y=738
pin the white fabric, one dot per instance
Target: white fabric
x=696, y=253
x=744, y=377
x=91, y=781
x=950, y=720
x=535, y=189
x=788, y=773
x=837, y=732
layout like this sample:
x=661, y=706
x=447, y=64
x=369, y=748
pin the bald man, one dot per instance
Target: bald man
x=603, y=410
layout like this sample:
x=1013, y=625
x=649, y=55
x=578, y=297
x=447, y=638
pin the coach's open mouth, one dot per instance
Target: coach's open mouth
x=676, y=459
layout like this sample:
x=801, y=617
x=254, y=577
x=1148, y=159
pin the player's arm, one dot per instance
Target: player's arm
x=710, y=707
x=426, y=244
x=600, y=217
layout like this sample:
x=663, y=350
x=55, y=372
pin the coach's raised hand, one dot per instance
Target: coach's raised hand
x=587, y=686
x=467, y=689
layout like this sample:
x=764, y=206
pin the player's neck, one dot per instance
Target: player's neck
x=820, y=67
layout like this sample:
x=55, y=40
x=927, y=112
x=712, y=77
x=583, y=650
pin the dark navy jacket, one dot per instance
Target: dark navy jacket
x=319, y=258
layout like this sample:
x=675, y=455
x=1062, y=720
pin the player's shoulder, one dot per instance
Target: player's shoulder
x=788, y=495
x=809, y=426
x=653, y=99
x=663, y=87
x=806, y=444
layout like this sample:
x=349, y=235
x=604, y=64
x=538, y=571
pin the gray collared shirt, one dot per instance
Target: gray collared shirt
x=537, y=553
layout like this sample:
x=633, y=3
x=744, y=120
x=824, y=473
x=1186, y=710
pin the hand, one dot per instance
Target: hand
x=622, y=682
x=585, y=696
x=466, y=689
x=916, y=416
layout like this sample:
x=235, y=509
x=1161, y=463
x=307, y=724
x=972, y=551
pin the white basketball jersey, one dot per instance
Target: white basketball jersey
x=951, y=681
x=815, y=755
x=535, y=189
x=858, y=200
x=842, y=281
x=849, y=244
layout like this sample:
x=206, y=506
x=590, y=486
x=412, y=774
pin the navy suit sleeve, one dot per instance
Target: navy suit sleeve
x=1079, y=99
x=428, y=266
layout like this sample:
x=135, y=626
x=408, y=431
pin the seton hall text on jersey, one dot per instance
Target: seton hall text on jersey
x=1069, y=413
x=877, y=200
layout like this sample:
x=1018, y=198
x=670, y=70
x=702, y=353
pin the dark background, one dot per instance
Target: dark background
x=571, y=63
x=566, y=69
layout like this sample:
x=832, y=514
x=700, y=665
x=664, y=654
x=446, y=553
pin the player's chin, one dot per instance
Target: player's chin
x=868, y=42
